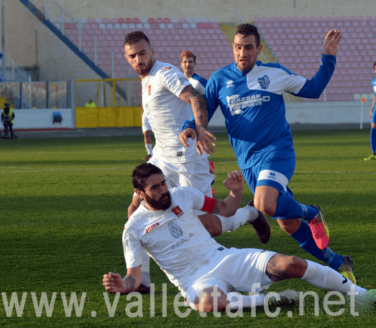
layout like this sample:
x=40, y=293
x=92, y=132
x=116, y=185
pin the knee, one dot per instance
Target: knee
x=295, y=267
x=215, y=229
x=289, y=226
x=206, y=304
x=265, y=206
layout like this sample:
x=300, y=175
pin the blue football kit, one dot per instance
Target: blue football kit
x=198, y=83
x=254, y=110
x=373, y=119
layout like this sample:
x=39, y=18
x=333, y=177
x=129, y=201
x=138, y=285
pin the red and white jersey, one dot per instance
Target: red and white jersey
x=167, y=112
x=174, y=238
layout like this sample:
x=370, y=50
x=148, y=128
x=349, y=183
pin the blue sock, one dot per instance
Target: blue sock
x=289, y=208
x=304, y=237
x=373, y=141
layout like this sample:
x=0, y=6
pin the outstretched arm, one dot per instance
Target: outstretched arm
x=114, y=283
x=313, y=88
x=227, y=207
x=205, y=140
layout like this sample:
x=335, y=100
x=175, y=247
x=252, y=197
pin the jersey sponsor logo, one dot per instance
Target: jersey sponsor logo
x=149, y=89
x=179, y=153
x=264, y=82
x=237, y=104
x=176, y=209
x=230, y=84
x=151, y=227
x=165, y=68
x=182, y=241
x=175, y=230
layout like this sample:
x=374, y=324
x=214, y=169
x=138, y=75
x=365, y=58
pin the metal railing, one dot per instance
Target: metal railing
x=56, y=13
x=36, y=95
x=14, y=72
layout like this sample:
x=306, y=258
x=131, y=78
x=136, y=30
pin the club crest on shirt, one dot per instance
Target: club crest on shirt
x=264, y=82
x=149, y=89
x=175, y=230
x=178, y=212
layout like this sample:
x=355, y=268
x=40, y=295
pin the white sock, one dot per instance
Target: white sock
x=237, y=299
x=149, y=149
x=240, y=218
x=145, y=269
x=327, y=278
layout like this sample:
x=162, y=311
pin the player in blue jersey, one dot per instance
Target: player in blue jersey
x=250, y=96
x=188, y=65
x=372, y=116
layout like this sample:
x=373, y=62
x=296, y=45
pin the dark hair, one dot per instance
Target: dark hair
x=374, y=65
x=187, y=53
x=141, y=173
x=135, y=37
x=248, y=29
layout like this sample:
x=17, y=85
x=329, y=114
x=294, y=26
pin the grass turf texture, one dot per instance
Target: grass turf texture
x=64, y=203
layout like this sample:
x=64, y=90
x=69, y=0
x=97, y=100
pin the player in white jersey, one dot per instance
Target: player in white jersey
x=168, y=99
x=167, y=228
x=146, y=130
x=188, y=65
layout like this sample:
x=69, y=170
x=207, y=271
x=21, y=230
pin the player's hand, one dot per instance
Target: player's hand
x=187, y=133
x=370, y=115
x=331, y=42
x=205, y=141
x=234, y=181
x=113, y=283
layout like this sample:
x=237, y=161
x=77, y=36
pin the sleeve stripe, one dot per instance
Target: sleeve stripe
x=209, y=204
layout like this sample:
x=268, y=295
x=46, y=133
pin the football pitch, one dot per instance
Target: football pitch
x=63, y=206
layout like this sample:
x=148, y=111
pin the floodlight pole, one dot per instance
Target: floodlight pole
x=3, y=36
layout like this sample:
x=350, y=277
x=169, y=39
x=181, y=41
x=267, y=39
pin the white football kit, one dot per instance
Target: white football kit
x=145, y=123
x=185, y=251
x=166, y=113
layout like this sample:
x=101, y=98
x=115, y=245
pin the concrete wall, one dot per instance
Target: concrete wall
x=222, y=10
x=29, y=42
x=20, y=36
x=42, y=119
x=318, y=114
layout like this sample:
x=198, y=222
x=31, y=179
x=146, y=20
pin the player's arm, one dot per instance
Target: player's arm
x=136, y=201
x=372, y=108
x=228, y=206
x=313, y=88
x=205, y=140
x=114, y=283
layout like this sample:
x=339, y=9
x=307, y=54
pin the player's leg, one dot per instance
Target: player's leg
x=197, y=175
x=274, y=197
x=281, y=267
x=372, y=138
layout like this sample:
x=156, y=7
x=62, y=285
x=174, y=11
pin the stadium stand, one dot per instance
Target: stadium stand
x=202, y=36
x=297, y=44
x=168, y=36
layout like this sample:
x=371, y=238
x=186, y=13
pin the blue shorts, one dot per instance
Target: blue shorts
x=373, y=117
x=273, y=168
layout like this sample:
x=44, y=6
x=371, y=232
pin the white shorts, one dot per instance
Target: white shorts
x=145, y=123
x=189, y=174
x=229, y=270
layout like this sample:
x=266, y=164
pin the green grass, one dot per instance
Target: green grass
x=63, y=205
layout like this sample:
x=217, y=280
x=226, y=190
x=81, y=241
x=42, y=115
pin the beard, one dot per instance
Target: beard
x=145, y=69
x=160, y=205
